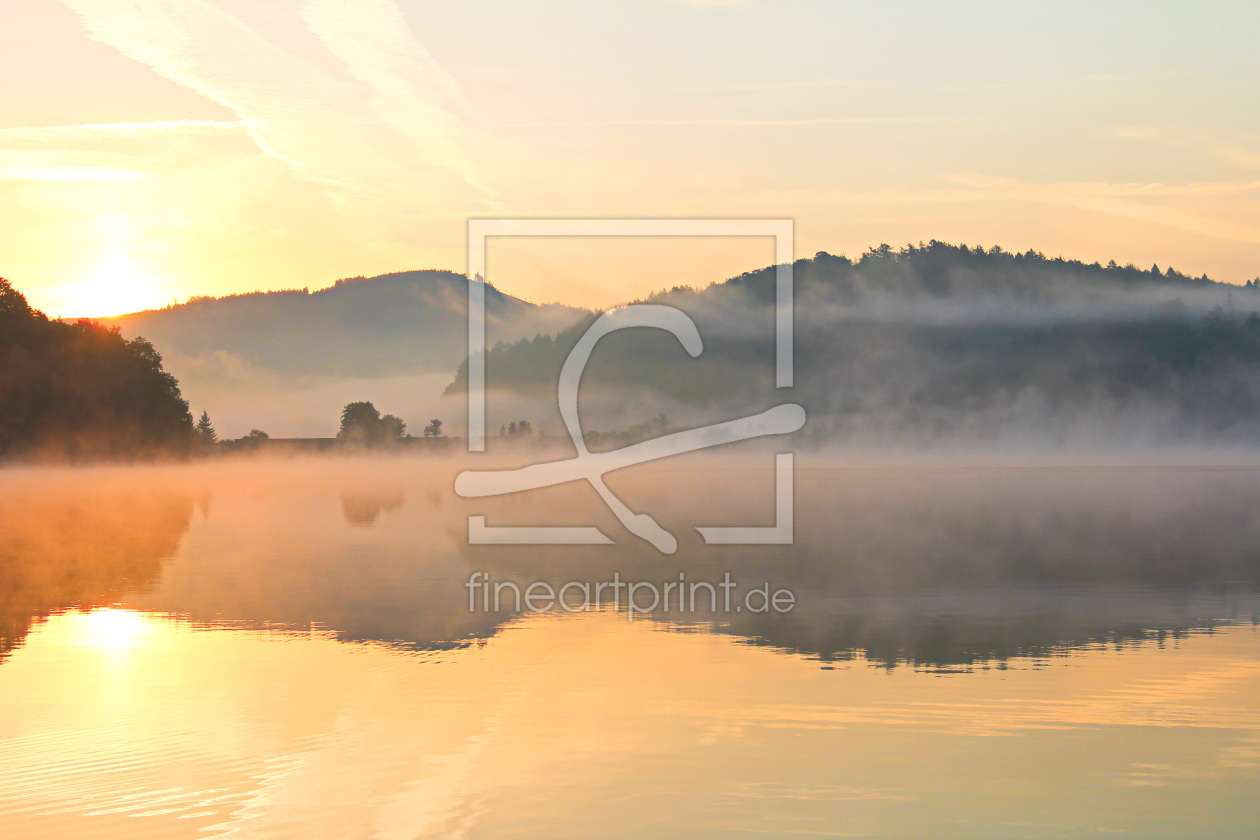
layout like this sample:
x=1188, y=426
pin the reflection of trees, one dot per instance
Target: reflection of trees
x=80, y=546
x=271, y=563
x=365, y=508
x=934, y=567
x=970, y=627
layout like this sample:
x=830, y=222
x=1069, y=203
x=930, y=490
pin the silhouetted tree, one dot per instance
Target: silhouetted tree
x=362, y=424
x=434, y=429
x=252, y=441
x=205, y=431
x=390, y=429
x=359, y=421
x=82, y=391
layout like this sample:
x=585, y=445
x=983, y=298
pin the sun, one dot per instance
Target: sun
x=117, y=285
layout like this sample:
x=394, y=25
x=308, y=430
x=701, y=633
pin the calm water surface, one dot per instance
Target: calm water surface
x=286, y=650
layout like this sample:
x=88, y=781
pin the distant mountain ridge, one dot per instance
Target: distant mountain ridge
x=287, y=362
x=916, y=346
x=935, y=344
x=402, y=322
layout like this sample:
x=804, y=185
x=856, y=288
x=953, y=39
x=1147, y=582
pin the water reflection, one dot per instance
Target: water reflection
x=365, y=508
x=936, y=566
x=591, y=726
x=80, y=541
x=933, y=567
x=228, y=651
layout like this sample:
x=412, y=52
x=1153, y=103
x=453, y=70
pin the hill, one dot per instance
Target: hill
x=410, y=321
x=934, y=345
x=288, y=361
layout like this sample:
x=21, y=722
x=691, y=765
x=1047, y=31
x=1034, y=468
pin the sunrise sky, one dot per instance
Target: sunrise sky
x=155, y=149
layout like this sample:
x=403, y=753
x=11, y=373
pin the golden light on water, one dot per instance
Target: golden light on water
x=110, y=629
x=266, y=662
x=557, y=720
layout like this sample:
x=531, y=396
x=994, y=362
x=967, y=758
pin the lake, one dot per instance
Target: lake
x=294, y=649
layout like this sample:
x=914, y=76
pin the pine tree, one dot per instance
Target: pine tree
x=205, y=431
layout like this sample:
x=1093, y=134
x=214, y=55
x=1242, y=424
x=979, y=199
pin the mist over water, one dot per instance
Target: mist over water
x=315, y=614
x=991, y=558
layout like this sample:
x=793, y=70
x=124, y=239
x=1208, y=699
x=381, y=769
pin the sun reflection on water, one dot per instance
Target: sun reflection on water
x=110, y=629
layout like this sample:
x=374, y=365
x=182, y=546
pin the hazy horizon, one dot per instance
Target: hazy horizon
x=154, y=151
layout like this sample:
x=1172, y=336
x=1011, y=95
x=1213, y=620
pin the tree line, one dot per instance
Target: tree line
x=80, y=391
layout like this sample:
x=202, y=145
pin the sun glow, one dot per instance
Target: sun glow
x=113, y=630
x=116, y=285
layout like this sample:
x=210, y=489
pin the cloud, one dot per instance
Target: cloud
x=93, y=131
x=70, y=173
x=1244, y=157
x=1101, y=188
x=18, y=165
x=410, y=92
x=790, y=84
x=408, y=133
x=1139, y=201
x=753, y=123
x=1125, y=200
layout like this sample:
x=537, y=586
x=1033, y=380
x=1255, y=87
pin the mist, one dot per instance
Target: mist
x=902, y=562
x=936, y=348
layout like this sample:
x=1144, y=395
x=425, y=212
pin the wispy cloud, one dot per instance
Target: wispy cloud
x=1245, y=157
x=788, y=84
x=93, y=131
x=70, y=173
x=18, y=165
x=1126, y=200
x=1101, y=189
x=734, y=122
x=313, y=117
x=1154, y=203
x=411, y=93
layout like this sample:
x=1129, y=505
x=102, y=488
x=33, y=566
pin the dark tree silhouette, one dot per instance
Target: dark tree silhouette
x=363, y=425
x=434, y=429
x=206, y=434
x=390, y=429
x=358, y=423
x=81, y=391
x=942, y=344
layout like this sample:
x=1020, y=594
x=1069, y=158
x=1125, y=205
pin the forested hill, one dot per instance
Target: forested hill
x=407, y=322
x=939, y=344
x=939, y=282
x=82, y=391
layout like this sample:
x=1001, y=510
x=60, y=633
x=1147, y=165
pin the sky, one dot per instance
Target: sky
x=153, y=150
